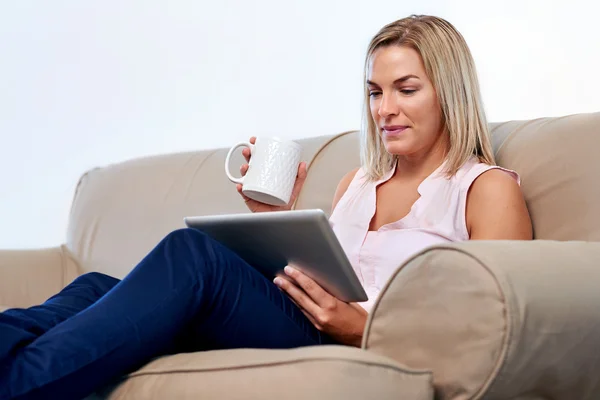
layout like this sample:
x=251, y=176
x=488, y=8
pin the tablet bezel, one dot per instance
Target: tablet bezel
x=302, y=238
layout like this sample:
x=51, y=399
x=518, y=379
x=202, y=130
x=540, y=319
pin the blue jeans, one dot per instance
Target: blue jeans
x=189, y=293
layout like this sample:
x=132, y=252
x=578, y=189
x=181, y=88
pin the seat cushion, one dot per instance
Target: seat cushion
x=331, y=372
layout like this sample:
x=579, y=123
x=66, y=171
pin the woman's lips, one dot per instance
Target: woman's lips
x=394, y=130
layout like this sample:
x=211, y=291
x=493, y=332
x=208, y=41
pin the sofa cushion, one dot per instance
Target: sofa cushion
x=559, y=167
x=120, y=212
x=328, y=372
x=339, y=155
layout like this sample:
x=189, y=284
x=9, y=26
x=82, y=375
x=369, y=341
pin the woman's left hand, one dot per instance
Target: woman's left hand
x=342, y=321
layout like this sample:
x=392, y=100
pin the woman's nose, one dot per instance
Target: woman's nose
x=388, y=106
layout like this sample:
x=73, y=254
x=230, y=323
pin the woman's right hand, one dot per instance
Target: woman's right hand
x=257, y=206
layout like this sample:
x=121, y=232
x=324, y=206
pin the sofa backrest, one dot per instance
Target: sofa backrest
x=559, y=163
x=121, y=211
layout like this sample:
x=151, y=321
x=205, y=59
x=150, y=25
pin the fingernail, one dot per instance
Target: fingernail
x=288, y=270
x=277, y=281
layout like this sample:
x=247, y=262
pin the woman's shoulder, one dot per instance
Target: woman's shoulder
x=474, y=170
x=494, y=185
x=495, y=206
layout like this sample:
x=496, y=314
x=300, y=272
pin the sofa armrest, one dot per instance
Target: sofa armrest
x=29, y=277
x=504, y=318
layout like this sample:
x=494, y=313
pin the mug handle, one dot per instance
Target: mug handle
x=229, y=175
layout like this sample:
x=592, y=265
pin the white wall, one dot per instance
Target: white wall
x=89, y=83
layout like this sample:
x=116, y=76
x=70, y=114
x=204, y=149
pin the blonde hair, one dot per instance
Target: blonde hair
x=451, y=69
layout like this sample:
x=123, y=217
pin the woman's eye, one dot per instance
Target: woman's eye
x=408, y=91
x=374, y=94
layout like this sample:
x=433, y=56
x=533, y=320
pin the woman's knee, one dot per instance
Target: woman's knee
x=96, y=280
x=190, y=248
x=189, y=237
x=184, y=233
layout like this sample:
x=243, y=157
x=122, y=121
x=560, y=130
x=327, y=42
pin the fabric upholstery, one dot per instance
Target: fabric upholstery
x=558, y=161
x=338, y=156
x=121, y=211
x=325, y=372
x=29, y=277
x=507, y=319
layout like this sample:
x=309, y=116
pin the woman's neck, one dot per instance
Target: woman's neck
x=422, y=165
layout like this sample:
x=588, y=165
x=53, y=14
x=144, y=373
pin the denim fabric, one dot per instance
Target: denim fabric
x=189, y=293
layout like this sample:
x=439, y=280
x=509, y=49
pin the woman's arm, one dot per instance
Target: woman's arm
x=496, y=208
x=343, y=321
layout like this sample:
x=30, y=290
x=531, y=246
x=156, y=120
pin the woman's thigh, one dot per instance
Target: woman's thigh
x=243, y=308
x=189, y=293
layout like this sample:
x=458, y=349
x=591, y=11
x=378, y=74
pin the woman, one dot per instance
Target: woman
x=427, y=177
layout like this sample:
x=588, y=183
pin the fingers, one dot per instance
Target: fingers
x=302, y=174
x=311, y=319
x=246, y=151
x=297, y=295
x=318, y=295
x=246, y=154
x=244, y=169
x=307, y=314
x=239, y=189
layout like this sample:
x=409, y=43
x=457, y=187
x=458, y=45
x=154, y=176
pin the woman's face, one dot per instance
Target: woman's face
x=403, y=102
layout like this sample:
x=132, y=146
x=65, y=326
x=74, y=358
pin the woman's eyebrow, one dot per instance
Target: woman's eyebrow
x=399, y=80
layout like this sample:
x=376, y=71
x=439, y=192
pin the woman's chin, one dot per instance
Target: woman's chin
x=397, y=149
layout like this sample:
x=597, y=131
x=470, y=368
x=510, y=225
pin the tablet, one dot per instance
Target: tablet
x=269, y=241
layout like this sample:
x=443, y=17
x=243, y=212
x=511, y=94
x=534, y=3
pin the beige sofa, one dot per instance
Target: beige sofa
x=493, y=320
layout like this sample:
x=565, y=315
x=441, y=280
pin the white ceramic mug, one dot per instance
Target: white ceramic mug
x=272, y=170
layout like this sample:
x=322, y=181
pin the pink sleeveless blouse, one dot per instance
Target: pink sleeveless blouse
x=438, y=216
